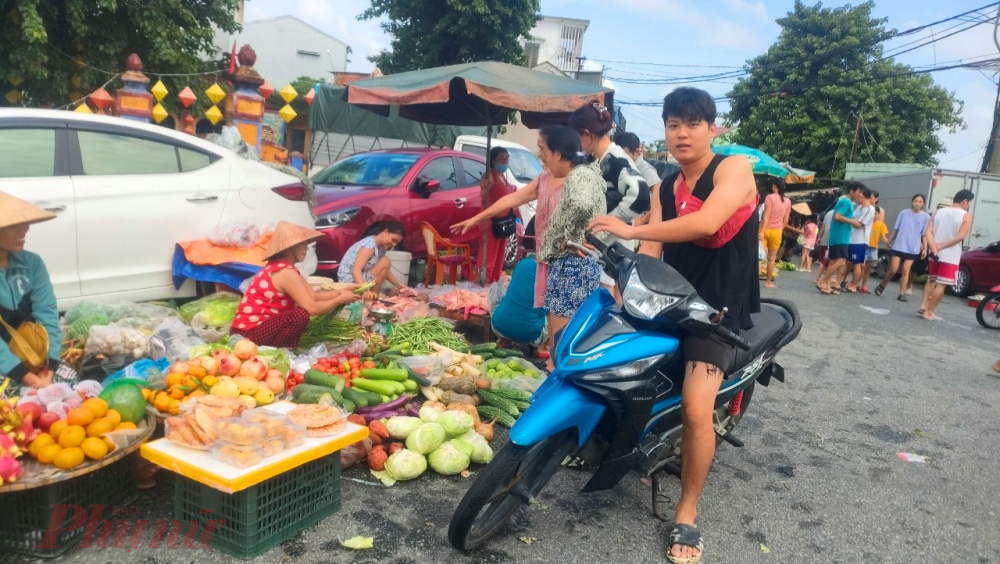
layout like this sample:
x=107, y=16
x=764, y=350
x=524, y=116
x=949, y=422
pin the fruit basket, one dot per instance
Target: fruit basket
x=27, y=503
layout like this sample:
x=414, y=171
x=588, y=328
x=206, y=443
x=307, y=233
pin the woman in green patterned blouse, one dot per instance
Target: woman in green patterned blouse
x=564, y=280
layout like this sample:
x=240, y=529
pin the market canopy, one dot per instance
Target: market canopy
x=798, y=175
x=483, y=93
x=332, y=114
x=761, y=161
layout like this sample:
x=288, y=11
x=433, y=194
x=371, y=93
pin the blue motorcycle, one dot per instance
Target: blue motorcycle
x=613, y=402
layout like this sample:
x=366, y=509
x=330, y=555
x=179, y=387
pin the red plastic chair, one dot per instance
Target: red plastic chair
x=442, y=253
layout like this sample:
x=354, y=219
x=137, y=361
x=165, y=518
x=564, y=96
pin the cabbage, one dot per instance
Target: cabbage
x=430, y=413
x=481, y=451
x=401, y=427
x=426, y=438
x=405, y=465
x=450, y=458
x=455, y=422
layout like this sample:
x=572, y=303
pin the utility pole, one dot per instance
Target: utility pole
x=857, y=131
x=579, y=66
x=991, y=157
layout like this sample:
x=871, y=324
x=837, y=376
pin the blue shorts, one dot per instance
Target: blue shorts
x=857, y=254
x=571, y=281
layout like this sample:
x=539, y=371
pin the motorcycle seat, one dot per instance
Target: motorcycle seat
x=769, y=326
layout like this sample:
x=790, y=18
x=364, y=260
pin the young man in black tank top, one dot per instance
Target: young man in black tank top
x=689, y=118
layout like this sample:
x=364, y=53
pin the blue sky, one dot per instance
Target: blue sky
x=707, y=32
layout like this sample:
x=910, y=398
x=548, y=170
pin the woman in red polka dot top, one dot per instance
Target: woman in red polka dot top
x=279, y=302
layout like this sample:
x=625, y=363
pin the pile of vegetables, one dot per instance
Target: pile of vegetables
x=327, y=328
x=421, y=332
x=360, y=386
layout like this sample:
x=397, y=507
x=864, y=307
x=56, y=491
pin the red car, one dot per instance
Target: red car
x=439, y=186
x=979, y=270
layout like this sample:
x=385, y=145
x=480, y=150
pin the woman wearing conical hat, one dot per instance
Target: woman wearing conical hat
x=29, y=317
x=277, y=305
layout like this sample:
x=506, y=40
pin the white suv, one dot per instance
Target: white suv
x=125, y=193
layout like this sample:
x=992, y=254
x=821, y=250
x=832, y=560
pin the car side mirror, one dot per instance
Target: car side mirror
x=432, y=186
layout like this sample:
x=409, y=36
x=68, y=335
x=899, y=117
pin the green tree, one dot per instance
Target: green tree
x=433, y=33
x=46, y=43
x=802, y=98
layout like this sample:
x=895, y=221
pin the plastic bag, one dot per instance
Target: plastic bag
x=114, y=340
x=143, y=369
x=525, y=383
x=220, y=307
x=354, y=453
x=239, y=234
x=305, y=361
x=206, y=331
x=416, y=310
x=87, y=309
x=177, y=339
x=98, y=367
x=430, y=367
x=129, y=310
x=356, y=347
x=497, y=291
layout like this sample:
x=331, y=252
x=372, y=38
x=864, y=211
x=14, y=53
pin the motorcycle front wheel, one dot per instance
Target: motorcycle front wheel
x=988, y=312
x=514, y=476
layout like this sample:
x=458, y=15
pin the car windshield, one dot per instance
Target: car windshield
x=369, y=169
x=523, y=165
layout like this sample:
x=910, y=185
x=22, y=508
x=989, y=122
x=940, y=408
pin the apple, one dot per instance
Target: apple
x=245, y=350
x=46, y=420
x=30, y=409
x=274, y=382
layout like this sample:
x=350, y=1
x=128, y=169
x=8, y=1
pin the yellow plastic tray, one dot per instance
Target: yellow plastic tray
x=202, y=467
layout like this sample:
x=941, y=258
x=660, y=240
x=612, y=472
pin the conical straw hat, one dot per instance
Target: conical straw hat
x=287, y=235
x=15, y=211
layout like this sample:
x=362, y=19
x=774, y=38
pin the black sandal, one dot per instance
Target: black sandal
x=879, y=289
x=685, y=535
x=901, y=298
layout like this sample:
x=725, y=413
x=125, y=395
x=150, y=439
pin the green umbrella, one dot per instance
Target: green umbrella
x=761, y=161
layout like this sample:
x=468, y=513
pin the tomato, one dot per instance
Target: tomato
x=299, y=378
x=347, y=384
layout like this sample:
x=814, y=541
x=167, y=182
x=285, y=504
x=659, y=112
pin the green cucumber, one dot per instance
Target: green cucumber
x=507, y=353
x=420, y=380
x=410, y=385
x=397, y=386
x=387, y=354
x=356, y=397
x=311, y=393
x=397, y=375
x=348, y=406
x=323, y=379
x=385, y=398
x=483, y=348
x=383, y=387
x=372, y=397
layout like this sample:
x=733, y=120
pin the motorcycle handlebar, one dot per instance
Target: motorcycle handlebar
x=732, y=338
x=598, y=245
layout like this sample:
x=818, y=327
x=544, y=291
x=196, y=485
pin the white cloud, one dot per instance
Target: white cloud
x=751, y=29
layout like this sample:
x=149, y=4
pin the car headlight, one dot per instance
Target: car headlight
x=643, y=302
x=336, y=218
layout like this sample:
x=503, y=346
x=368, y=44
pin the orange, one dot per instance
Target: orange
x=80, y=416
x=48, y=453
x=69, y=458
x=114, y=417
x=197, y=371
x=57, y=428
x=72, y=436
x=94, y=448
x=196, y=393
x=100, y=426
x=126, y=426
x=109, y=443
x=42, y=440
x=177, y=393
x=174, y=378
x=146, y=392
x=162, y=403
x=175, y=407
x=97, y=406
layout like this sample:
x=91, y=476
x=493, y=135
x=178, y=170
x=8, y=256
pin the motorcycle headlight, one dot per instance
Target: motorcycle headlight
x=627, y=370
x=336, y=218
x=643, y=302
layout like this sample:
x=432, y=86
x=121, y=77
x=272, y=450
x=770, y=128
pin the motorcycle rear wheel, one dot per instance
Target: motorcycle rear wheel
x=515, y=475
x=989, y=319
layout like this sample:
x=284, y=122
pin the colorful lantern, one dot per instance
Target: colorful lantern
x=75, y=96
x=76, y=80
x=266, y=89
x=16, y=81
x=310, y=96
x=215, y=94
x=159, y=113
x=101, y=98
x=287, y=113
x=214, y=115
x=159, y=90
x=187, y=97
x=83, y=108
x=288, y=93
x=13, y=96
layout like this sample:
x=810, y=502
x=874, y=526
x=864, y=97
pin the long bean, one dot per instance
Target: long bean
x=421, y=331
x=327, y=328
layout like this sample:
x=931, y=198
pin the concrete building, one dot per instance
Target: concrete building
x=288, y=48
x=558, y=41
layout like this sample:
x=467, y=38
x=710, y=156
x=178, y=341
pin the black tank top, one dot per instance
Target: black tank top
x=724, y=277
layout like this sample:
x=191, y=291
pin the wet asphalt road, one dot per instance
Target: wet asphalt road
x=819, y=479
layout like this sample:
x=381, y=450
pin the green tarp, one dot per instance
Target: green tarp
x=331, y=114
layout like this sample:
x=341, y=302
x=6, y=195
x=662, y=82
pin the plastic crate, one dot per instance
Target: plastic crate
x=263, y=516
x=25, y=515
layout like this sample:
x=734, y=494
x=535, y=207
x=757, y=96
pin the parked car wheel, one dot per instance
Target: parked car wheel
x=510, y=255
x=882, y=265
x=963, y=283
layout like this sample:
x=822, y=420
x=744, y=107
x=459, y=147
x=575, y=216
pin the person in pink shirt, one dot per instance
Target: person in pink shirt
x=809, y=231
x=776, y=211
